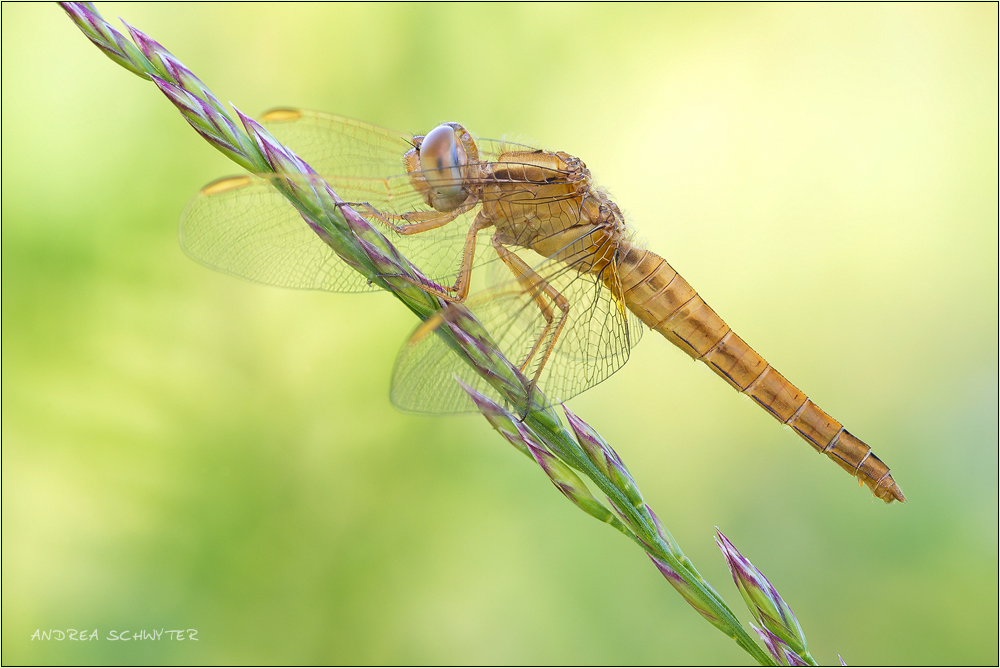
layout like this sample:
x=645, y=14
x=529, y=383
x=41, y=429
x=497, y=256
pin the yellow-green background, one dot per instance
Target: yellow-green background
x=182, y=449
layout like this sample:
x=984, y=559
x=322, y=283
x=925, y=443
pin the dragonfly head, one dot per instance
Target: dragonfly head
x=443, y=156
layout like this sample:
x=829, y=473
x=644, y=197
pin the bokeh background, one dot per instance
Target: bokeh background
x=182, y=449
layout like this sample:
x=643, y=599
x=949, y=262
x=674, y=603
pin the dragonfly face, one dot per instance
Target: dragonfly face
x=442, y=158
x=439, y=166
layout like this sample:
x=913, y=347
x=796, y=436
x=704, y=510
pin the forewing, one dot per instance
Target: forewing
x=363, y=163
x=338, y=146
x=245, y=227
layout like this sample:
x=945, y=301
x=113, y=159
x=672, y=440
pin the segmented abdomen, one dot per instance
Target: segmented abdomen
x=665, y=302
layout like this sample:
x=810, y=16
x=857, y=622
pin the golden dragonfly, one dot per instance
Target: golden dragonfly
x=576, y=285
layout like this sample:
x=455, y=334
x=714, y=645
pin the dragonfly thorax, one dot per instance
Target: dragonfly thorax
x=547, y=201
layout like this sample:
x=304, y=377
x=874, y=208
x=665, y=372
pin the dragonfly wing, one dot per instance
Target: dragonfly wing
x=363, y=163
x=338, y=146
x=243, y=226
x=424, y=377
x=594, y=341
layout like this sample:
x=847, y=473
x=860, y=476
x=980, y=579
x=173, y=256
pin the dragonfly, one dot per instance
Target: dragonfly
x=568, y=293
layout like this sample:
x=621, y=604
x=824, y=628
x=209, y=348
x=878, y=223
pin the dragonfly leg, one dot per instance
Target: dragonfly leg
x=545, y=296
x=460, y=290
x=417, y=221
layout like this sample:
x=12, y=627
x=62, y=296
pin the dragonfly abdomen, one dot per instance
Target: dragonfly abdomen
x=664, y=301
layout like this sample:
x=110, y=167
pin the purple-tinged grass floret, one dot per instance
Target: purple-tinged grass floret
x=763, y=599
x=565, y=480
x=114, y=45
x=688, y=592
x=604, y=458
x=498, y=417
x=198, y=115
x=781, y=652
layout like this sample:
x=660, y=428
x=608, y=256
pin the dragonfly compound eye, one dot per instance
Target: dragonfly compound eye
x=441, y=160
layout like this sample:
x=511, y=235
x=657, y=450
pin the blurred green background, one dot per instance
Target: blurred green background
x=182, y=449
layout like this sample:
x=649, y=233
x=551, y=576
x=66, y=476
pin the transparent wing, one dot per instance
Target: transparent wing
x=243, y=226
x=365, y=166
x=338, y=146
x=594, y=341
x=363, y=163
x=424, y=377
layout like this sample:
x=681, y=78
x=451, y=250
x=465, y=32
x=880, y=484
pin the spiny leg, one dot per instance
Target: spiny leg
x=418, y=221
x=536, y=286
x=460, y=290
